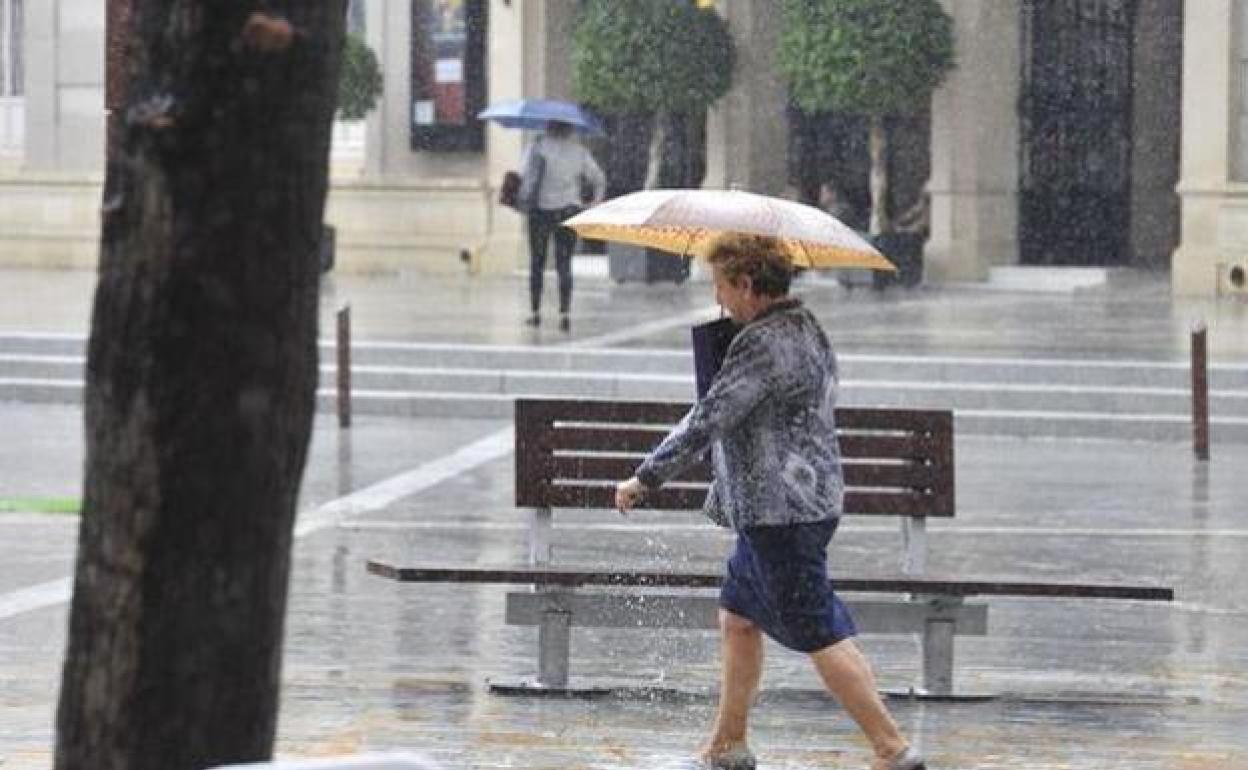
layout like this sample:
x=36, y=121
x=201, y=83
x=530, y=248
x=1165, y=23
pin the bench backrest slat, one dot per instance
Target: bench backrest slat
x=570, y=453
x=616, y=467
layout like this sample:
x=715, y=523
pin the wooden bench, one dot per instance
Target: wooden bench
x=571, y=453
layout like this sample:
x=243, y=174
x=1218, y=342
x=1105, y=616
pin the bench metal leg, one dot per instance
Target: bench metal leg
x=540, y=525
x=554, y=652
x=938, y=635
x=554, y=648
x=914, y=545
x=944, y=617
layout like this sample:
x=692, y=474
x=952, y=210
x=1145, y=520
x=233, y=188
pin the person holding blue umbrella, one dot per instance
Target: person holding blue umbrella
x=556, y=170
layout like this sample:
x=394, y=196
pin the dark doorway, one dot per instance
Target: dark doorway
x=1076, y=120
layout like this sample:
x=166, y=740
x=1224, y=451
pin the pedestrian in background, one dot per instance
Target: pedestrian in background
x=769, y=421
x=560, y=178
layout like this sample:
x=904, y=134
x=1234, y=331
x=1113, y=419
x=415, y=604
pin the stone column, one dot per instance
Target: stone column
x=975, y=130
x=40, y=58
x=1213, y=211
x=65, y=103
x=515, y=39
x=747, y=138
x=549, y=50
x=1155, y=87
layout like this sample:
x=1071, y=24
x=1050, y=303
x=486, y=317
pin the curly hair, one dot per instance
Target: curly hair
x=758, y=256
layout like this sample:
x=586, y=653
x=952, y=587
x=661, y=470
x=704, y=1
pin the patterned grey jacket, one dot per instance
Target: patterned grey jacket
x=768, y=420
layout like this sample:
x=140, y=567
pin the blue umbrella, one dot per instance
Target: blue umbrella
x=534, y=114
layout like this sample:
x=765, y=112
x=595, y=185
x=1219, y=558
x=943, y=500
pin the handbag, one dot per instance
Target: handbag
x=509, y=190
x=531, y=182
x=710, y=348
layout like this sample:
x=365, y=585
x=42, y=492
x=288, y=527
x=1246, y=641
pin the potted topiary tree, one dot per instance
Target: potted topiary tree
x=876, y=58
x=698, y=59
x=613, y=65
x=642, y=61
x=360, y=83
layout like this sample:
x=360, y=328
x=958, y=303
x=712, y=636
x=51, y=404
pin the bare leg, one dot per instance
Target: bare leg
x=742, y=670
x=847, y=674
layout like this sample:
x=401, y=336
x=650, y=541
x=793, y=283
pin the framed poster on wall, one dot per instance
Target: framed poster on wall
x=448, y=75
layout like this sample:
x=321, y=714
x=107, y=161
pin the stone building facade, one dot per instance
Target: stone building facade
x=1164, y=133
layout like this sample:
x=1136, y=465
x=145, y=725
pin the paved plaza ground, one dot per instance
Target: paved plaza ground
x=372, y=665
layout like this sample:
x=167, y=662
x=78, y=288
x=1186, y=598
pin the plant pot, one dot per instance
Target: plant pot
x=905, y=250
x=636, y=263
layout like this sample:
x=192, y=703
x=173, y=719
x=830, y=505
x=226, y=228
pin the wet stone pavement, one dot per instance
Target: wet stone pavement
x=372, y=665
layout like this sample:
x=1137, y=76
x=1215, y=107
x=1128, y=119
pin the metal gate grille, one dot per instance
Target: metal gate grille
x=1075, y=115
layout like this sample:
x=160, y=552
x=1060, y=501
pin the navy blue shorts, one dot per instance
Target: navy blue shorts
x=778, y=578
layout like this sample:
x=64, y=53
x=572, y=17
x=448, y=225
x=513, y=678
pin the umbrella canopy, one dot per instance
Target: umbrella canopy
x=534, y=114
x=690, y=221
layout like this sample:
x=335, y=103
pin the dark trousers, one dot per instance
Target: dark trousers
x=542, y=224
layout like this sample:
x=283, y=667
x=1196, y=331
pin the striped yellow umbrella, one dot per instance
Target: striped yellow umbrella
x=690, y=221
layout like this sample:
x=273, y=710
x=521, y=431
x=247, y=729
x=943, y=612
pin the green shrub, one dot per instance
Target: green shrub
x=648, y=58
x=649, y=55
x=870, y=57
x=360, y=83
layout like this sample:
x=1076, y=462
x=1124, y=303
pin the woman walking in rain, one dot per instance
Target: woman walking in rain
x=555, y=169
x=768, y=419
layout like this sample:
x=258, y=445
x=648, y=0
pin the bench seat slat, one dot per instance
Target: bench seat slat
x=660, y=579
x=669, y=413
x=596, y=410
x=597, y=439
x=640, y=441
x=904, y=446
x=672, y=498
x=923, y=421
x=613, y=469
x=668, y=498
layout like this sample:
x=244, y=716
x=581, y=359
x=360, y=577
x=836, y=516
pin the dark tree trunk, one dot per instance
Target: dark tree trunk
x=683, y=154
x=117, y=34
x=628, y=137
x=201, y=378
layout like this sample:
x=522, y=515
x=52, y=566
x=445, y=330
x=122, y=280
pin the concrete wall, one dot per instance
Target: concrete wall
x=50, y=219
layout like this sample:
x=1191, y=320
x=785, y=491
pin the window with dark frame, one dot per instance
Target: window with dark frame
x=448, y=75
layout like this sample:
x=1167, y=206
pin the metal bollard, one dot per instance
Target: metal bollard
x=1200, y=392
x=344, y=366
